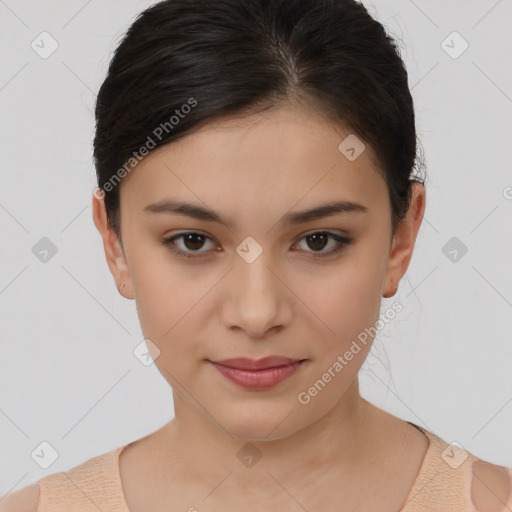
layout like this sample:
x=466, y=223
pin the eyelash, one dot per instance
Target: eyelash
x=342, y=241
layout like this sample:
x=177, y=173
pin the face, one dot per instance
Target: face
x=252, y=278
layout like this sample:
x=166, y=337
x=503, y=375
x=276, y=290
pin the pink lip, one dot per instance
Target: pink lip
x=258, y=374
x=244, y=363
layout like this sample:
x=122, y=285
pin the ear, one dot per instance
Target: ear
x=114, y=251
x=403, y=242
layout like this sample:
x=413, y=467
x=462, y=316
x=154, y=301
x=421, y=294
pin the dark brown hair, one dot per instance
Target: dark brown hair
x=183, y=63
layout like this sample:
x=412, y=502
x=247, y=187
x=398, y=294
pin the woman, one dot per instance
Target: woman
x=256, y=198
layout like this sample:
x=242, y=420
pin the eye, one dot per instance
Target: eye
x=318, y=240
x=192, y=241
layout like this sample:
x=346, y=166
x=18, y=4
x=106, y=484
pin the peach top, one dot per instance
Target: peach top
x=443, y=483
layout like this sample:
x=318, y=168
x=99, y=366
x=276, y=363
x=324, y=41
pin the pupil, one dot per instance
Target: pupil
x=316, y=237
x=191, y=238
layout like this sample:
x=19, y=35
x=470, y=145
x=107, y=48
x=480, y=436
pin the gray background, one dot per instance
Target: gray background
x=68, y=375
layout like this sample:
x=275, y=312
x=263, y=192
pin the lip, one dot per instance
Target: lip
x=244, y=363
x=258, y=374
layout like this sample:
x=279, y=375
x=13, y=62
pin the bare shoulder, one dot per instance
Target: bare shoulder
x=491, y=487
x=24, y=500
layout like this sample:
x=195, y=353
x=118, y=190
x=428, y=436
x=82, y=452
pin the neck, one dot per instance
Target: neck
x=206, y=451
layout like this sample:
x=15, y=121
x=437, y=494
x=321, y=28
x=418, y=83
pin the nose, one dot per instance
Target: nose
x=257, y=301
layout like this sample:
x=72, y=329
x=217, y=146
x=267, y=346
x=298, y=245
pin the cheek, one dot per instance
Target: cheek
x=349, y=300
x=165, y=293
x=349, y=304
x=166, y=306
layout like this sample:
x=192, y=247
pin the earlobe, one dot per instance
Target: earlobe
x=114, y=252
x=394, y=288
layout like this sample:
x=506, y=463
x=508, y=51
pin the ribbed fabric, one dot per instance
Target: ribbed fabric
x=443, y=484
x=93, y=486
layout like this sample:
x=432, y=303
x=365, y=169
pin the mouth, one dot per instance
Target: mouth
x=258, y=373
x=265, y=363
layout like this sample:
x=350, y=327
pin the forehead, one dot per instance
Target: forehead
x=276, y=157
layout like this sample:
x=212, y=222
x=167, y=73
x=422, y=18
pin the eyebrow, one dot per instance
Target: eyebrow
x=291, y=218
